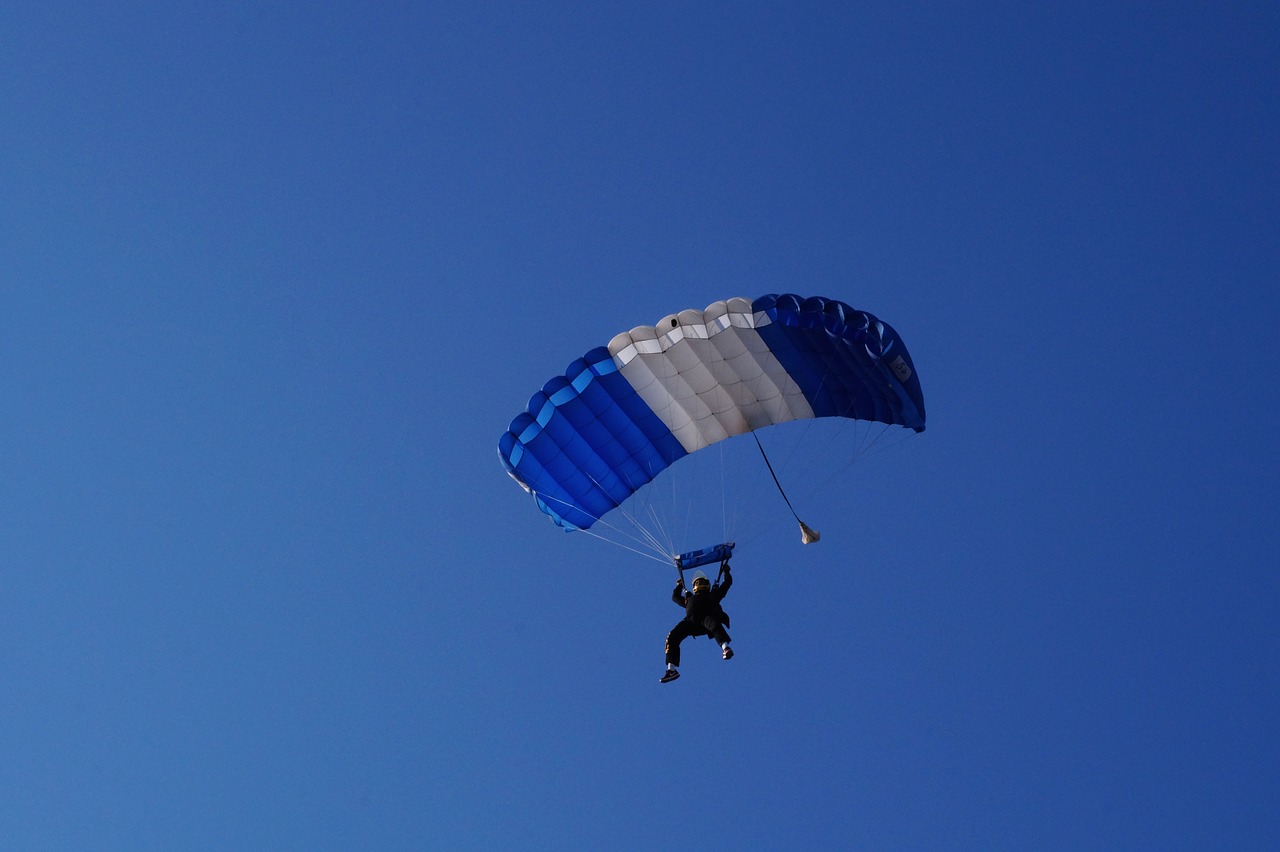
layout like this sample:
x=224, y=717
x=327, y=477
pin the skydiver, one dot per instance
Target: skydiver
x=703, y=616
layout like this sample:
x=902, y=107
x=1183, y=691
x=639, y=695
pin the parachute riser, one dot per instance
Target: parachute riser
x=719, y=576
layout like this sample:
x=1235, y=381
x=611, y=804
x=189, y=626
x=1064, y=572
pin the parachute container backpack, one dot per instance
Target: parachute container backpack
x=624, y=413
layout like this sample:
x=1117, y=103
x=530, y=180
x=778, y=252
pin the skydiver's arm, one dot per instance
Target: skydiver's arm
x=728, y=581
x=677, y=594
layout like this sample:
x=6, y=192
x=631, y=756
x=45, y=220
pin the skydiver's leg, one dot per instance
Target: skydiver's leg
x=677, y=635
x=718, y=633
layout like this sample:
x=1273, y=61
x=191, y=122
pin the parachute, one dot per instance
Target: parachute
x=623, y=413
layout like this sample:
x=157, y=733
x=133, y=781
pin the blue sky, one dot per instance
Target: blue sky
x=273, y=280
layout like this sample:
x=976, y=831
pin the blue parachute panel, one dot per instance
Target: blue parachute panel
x=837, y=355
x=586, y=443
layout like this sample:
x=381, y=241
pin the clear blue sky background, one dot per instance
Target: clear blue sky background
x=274, y=279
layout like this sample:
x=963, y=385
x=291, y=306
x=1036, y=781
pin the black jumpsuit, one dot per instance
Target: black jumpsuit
x=703, y=616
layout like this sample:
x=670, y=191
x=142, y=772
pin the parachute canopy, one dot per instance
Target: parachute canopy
x=623, y=413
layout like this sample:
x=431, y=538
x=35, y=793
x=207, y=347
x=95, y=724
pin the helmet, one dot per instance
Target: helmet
x=700, y=581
